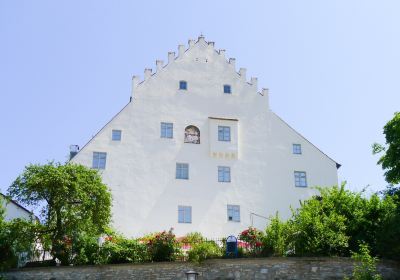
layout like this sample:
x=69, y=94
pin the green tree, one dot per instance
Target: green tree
x=71, y=199
x=390, y=160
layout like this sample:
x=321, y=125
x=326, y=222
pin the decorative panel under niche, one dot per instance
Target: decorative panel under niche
x=224, y=149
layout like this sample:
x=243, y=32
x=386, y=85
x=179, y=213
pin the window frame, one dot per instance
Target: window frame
x=183, y=85
x=186, y=214
x=99, y=160
x=296, y=149
x=229, y=87
x=167, y=130
x=235, y=211
x=224, y=174
x=115, y=133
x=300, y=179
x=224, y=133
x=182, y=171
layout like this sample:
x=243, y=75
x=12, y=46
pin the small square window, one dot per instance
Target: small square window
x=99, y=160
x=227, y=89
x=183, y=85
x=182, y=171
x=116, y=135
x=167, y=130
x=300, y=179
x=233, y=212
x=185, y=214
x=297, y=149
x=224, y=133
x=224, y=174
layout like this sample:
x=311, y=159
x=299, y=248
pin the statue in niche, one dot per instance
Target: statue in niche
x=192, y=135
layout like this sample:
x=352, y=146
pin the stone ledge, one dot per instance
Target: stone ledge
x=245, y=268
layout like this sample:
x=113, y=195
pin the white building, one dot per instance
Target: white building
x=198, y=149
x=14, y=210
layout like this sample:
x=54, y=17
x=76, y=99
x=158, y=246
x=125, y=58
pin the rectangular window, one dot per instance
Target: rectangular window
x=99, y=160
x=227, y=89
x=224, y=133
x=185, y=214
x=224, y=174
x=183, y=85
x=182, y=171
x=233, y=213
x=297, y=149
x=167, y=130
x=300, y=179
x=116, y=135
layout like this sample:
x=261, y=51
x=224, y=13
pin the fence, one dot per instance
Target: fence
x=184, y=244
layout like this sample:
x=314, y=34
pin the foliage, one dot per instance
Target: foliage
x=71, y=199
x=390, y=160
x=110, y=249
x=388, y=235
x=277, y=237
x=17, y=237
x=254, y=239
x=86, y=250
x=316, y=231
x=333, y=223
x=118, y=249
x=193, y=237
x=204, y=250
x=162, y=246
x=365, y=268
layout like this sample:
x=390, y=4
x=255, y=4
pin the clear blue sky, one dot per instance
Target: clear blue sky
x=332, y=68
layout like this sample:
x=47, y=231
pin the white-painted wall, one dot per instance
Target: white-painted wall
x=14, y=211
x=140, y=169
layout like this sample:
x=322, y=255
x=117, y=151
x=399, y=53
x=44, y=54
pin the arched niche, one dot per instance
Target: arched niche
x=192, y=135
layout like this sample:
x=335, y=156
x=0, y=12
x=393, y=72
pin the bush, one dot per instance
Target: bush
x=86, y=250
x=276, y=240
x=163, y=246
x=315, y=232
x=192, y=238
x=254, y=239
x=365, y=268
x=115, y=249
x=122, y=250
x=204, y=250
x=17, y=237
x=388, y=235
x=333, y=224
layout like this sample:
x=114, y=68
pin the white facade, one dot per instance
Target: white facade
x=140, y=169
x=13, y=210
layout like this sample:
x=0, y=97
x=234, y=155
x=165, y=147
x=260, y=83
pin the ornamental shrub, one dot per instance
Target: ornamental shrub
x=163, y=246
x=204, y=250
x=87, y=250
x=254, y=239
x=117, y=249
